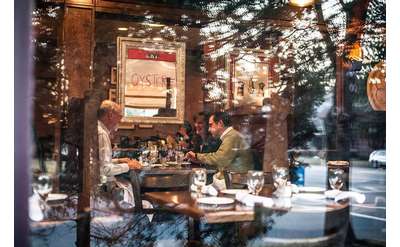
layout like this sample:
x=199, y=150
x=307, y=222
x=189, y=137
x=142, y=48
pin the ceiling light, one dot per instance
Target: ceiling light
x=122, y=29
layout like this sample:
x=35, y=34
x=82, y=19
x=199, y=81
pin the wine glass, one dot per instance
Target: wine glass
x=335, y=177
x=255, y=181
x=280, y=176
x=42, y=185
x=199, y=178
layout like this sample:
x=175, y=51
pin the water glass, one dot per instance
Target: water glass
x=280, y=175
x=153, y=154
x=335, y=177
x=42, y=185
x=179, y=156
x=199, y=178
x=255, y=181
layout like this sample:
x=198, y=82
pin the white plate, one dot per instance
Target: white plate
x=215, y=200
x=312, y=189
x=174, y=163
x=233, y=191
x=309, y=199
x=156, y=165
x=56, y=197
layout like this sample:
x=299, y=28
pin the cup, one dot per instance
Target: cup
x=335, y=177
x=255, y=181
x=199, y=178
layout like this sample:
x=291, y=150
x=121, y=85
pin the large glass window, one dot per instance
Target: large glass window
x=304, y=86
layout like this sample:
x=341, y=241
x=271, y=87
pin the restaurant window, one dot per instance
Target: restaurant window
x=304, y=87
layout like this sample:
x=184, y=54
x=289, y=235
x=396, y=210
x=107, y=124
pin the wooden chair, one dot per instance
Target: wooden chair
x=239, y=179
x=142, y=183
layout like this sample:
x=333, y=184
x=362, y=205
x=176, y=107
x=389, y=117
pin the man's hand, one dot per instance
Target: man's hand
x=134, y=164
x=123, y=160
x=190, y=155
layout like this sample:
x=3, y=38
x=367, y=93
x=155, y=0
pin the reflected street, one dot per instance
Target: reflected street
x=368, y=219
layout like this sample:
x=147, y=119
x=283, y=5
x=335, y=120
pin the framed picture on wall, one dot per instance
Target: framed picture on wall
x=151, y=80
x=251, y=77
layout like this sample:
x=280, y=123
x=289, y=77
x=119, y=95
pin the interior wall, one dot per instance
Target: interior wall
x=105, y=57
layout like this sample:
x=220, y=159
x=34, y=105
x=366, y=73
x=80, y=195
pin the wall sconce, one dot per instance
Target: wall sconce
x=355, y=52
x=301, y=3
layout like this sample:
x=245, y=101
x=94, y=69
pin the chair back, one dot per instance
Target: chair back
x=142, y=182
x=239, y=179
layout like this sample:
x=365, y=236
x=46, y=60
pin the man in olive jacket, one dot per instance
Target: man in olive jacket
x=233, y=153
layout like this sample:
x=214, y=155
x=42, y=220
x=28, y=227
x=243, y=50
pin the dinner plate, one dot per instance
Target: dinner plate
x=56, y=197
x=215, y=200
x=174, y=163
x=233, y=191
x=311, y=189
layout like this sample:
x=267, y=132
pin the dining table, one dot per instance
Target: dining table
x=189, y=203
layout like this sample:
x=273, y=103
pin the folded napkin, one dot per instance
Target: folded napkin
x=35, y=210
x=219, y=184
x=286, y=190
x=338, y=195
x=208, y=189
x=250, y=200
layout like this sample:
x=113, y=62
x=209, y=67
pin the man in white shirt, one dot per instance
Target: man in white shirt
x=109, y=114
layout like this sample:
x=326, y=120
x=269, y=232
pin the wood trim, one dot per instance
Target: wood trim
x=79, y=3
x=141, y=8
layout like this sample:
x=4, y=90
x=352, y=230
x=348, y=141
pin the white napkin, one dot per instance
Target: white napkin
x=219, y=184
x=250, y=200
x=35, y=211
x=286, y=191
x=338, y=195
x=208, y=189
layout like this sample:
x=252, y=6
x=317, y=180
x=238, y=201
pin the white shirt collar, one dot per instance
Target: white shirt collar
x=103, y=127
x=226, y=132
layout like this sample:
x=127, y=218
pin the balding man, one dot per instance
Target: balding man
x=109, y=114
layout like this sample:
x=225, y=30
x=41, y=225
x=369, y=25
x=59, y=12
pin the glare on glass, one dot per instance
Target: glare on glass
x=199, y=177
x=255, y=181
x=335, y=177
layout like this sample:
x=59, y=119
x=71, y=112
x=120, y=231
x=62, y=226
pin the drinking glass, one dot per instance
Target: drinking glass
x=199, y=178
x=42, y=185
x=153, y=154
x=179, y=156
x=335, y=177
x=255, y=181
x=280, y=176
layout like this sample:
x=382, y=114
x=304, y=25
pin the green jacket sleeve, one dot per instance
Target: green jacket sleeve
x=225, y=154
